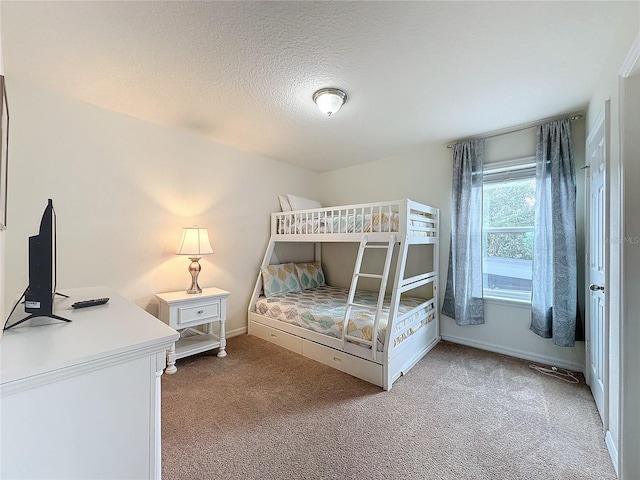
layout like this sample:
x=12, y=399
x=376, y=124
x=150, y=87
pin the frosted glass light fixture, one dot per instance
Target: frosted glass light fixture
x=329, y=100
x=194, y=244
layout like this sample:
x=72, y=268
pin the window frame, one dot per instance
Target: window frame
x=500, y=172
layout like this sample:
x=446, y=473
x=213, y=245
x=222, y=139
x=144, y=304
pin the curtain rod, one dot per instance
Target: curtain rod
x=518, y=128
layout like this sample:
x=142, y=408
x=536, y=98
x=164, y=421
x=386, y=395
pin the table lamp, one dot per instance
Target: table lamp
x=194, y=244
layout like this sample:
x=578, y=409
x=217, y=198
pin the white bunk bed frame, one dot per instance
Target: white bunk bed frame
x=361, y=359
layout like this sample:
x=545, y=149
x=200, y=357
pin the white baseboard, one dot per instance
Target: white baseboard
x=235, y=332
x=512, y=352
x=613, y=451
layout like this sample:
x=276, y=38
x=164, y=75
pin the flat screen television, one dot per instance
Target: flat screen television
x=38, y=297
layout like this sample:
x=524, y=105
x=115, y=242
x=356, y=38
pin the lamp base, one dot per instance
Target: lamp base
x=194, y=270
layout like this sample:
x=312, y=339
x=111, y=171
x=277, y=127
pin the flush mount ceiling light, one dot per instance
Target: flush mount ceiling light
x=329, y=100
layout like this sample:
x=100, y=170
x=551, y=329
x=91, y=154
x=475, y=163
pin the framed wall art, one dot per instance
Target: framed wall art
x=4, y=153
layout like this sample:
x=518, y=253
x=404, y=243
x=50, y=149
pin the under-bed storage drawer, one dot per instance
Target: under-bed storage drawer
x=286, y=340
x=356, y=366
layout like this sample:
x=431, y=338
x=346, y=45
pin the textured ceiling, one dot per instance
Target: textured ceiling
x=243, y=73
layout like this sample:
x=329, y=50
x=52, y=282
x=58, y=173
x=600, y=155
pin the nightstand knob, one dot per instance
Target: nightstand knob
x=200, y=312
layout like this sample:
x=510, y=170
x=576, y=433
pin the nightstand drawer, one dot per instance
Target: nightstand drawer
x=208, y=313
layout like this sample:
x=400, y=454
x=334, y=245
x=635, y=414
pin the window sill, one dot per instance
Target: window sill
x=508, y=301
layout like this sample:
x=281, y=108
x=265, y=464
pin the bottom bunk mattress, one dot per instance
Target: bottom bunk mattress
x=322, y=310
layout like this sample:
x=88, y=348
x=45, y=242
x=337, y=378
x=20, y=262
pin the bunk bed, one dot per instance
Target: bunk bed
x=376, y=336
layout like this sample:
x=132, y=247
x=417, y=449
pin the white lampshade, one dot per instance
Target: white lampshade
x=329, y=100
x=195, y=242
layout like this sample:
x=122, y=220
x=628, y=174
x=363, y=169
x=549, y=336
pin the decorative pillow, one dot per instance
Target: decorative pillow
x=310, y=275
x=285, y=206
x=300, y=203
x=279, y=279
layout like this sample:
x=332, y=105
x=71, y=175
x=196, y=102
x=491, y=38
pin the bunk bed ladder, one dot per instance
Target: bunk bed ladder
x=357, y=274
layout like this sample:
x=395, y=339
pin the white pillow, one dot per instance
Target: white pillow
x=300, y=203
x=284, y=203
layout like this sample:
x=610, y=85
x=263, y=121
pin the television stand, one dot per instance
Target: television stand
x=34, y=315
x=37, y=315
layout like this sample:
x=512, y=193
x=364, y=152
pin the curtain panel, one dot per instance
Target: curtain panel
x=463, y=294
x=554, y=305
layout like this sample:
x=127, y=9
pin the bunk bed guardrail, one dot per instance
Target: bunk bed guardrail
x=404, y=217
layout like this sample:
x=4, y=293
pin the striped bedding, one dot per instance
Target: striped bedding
x=322, y=310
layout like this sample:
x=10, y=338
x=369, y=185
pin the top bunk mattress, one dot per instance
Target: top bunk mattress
x=322, y=310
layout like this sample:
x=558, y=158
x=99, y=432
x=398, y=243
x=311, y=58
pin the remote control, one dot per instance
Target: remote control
x=90, y=303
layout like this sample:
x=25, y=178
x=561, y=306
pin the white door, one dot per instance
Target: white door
x=597, y=253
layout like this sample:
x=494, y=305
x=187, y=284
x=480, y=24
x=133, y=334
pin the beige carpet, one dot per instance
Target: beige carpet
x=266, y=413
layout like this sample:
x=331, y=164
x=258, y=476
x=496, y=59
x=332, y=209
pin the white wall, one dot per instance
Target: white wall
x=424, y=175
x=123, y=189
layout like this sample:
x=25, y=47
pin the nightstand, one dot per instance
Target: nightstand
x=194, y=315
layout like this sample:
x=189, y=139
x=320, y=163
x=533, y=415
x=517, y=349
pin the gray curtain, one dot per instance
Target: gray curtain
x=463, y=294
x=555, y=284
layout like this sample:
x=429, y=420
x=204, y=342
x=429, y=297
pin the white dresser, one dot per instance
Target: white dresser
x=82, y=399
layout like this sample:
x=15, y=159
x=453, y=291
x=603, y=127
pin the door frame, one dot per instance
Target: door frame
x=629, y=418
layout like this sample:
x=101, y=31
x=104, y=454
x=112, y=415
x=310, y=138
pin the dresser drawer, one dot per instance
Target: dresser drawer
x=205, y=313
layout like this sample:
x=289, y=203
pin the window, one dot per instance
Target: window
x=509, y=197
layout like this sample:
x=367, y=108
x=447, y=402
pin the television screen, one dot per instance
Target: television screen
x=38, y=297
